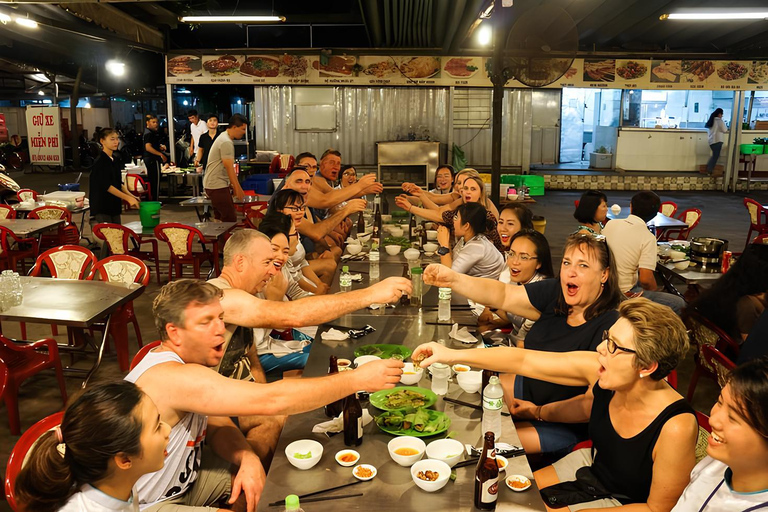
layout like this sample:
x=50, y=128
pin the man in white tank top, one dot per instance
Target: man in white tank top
x=197, y=402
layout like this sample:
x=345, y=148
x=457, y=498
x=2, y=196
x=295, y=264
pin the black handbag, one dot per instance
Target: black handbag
x=585, y=488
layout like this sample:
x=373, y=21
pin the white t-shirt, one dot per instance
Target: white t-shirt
x=711, y=480
x=197, y=130
x=633, y=246
x=477, y=258
x=717, y=132
x=90, y=499
x=216, y=176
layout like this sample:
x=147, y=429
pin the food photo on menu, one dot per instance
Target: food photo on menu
x=420, y=67
x=261, y=66
x=731, y=71
x=696, y=71
x=666, y=71
x=224, y=65
x=185, y=65
x=462, y=67
x=336, y=66
x=379, y=67
x=631, y=69
x=758, y=72
x=603, y=70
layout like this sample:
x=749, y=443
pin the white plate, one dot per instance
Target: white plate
x=519, y=478
x=367, y=466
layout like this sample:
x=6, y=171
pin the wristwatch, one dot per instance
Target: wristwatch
x=442, y=251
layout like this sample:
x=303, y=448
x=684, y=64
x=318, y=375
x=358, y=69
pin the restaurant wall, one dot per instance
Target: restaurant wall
x=367, y=115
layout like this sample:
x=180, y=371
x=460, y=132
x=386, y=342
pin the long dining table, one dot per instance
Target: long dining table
x=393, y=487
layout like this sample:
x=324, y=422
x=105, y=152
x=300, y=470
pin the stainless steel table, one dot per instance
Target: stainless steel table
x=393, y=487
x=26, y=228
x=76, y=304
x=657, y=224
x=690, y=277
x=25, y=208
x=203, y=202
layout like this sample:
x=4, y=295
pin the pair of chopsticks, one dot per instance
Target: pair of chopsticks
x=467, y=404
x=323, y=498
x=468, y=462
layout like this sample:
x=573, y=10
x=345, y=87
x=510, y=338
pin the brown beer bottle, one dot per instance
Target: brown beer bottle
x=353, y=421
x=413, y=237
x=360, y=224
x=487, y=476
x=376, y=237
x=423, y=233
x=333, y=409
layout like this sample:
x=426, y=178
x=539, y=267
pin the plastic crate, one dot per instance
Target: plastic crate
x=533, y=180
x=751, y=149
x=485, y=177
x=512, y=179
x=536, y=191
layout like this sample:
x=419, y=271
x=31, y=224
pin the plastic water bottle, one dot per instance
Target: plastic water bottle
x=345, y=279
x=18, y=291
x=492, y=401
x=292, y=504
x=444, y=305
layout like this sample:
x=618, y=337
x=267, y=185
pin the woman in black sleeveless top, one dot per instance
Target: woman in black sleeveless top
x=643, y=432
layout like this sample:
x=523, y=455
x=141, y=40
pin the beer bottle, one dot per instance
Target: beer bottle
x=360, y=224
x=353, y=421
x=413, y=237
x=423, y=233
x=384, y=204
x=404, y=299
x=487, y=476
x=376, y=237
x=333, y=409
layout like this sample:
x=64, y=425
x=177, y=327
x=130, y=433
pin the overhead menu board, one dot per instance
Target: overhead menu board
x=361, y=70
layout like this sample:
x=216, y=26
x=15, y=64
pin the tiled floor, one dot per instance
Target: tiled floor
x=724, y=216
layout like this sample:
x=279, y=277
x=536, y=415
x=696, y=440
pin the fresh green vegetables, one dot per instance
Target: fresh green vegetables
x=298, y=455
x=418, y=422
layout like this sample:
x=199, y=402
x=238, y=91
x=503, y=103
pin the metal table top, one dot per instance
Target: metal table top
x=210, y=230
x=689, y=276
x=204, y=201
x=26, y=207
x=69, y=302
x=660, y=221
x=393, y=487
x=29, y=227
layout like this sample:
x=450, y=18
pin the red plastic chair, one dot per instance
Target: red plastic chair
x=121, y=269
x=120, y=239
x=20, y=451
x=7, y=212
x=717, y=360
x=26, y=193
x=143, y=352
x=703, y=333
x=692, y=217
x=668, y=208
x=24, y=361
x=758, y=219
x=138, y=186
x=68, y=232
x=281, y=164
x=180, y=239
x=254, y=213
x=15, y=250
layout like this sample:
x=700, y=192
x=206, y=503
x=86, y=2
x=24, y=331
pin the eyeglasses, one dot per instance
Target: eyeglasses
x=613, y=347
x=522, y=256
x=296, y=209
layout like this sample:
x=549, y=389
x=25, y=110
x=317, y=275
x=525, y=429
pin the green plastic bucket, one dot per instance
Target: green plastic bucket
x=149, y=213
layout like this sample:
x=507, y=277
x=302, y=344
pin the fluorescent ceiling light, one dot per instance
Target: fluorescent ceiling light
x=115, y=67
x=4, y=18
x=26, y=22
x=484, y=34
x=40, y=93
x=715, y=15
x=232, y=19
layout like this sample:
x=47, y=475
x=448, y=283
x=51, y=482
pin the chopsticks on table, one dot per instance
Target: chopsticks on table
x=467, y=404
x=468, y=462
x=451, y=323
x=302, y=496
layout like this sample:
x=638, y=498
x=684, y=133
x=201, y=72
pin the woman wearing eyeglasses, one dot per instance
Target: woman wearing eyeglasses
x=571, y=313
x=734, y=475
x=528, y=260
x=643, y=432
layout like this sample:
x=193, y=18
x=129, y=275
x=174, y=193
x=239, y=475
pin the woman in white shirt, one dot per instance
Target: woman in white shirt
x=474, y=254
x=111, y=435
x=716, y=131
x=734, y=475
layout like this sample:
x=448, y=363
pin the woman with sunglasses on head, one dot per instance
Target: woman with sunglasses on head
x=734, y=475
x=416, y=195
x=570, y=313
x=111, y=435
x=643, y=432
x=528, y=260
x=513, y=218
x=591, y=212
x=473, y=253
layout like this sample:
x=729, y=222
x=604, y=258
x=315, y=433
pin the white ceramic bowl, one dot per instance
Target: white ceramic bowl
x=365, y=478
x=365, y=236
x=392, y=250
x=396, y=232
x=512, y=197
x=386, y=217
x=411, y=254
x=406, y=442
x=354, y=248
x=342, y=453
x=449, y=451
x=460, y=368
x=304, y=446
x=443, y=469
x=431, y=234
x=430, y=247
x=411, y=375
x=470, y=381
x=502, y=462
x=359, y=361
x=388, y=227
x=676, y=255
x=518, y=478
x=344, y=364
x=351, y=240
x=682, y=265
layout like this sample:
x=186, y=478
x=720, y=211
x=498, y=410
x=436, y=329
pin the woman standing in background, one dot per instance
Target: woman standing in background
x=716, y=131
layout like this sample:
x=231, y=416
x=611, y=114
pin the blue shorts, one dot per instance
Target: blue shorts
x=555, y=439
